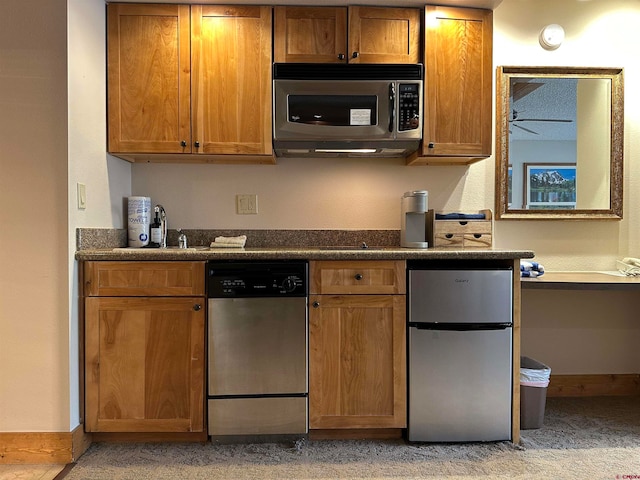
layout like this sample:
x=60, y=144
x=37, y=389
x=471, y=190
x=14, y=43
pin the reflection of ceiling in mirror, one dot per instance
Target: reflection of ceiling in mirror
x=543, y=99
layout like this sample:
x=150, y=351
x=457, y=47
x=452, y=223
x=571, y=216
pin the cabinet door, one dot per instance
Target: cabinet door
x=384, y=35
x=144, y=364
x=458, y=84
x=357, y=361
x=310, y=34
x=148, y=63
x=231, y=79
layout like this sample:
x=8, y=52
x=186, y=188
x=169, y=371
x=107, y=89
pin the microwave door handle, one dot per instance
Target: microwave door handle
x=392, y=104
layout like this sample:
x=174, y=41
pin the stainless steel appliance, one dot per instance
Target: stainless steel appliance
x=257, y=348
x=460, y=353
x=413, y=222
x=358, y=110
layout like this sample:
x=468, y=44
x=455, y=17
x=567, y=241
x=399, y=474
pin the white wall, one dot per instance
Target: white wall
x=34, y=306
x=301, y=193
x=107, y=179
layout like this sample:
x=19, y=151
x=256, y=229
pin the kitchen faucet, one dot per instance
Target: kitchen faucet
x=163, y=225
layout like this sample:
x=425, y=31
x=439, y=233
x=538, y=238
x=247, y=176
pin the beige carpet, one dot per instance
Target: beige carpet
x=583, y=438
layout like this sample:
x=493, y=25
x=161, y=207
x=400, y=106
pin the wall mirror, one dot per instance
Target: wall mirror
x=559, y=143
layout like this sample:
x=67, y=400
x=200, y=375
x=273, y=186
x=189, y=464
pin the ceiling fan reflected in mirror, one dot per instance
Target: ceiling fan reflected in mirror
x=515, y=117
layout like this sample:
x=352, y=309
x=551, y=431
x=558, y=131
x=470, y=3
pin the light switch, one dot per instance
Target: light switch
x=247, y=204
x=82, y=196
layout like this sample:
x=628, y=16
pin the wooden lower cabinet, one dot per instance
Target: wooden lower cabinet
x=144, y=364
x=357, y=361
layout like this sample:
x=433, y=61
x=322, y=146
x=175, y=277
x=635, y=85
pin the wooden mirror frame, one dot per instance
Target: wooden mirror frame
x=503, y=81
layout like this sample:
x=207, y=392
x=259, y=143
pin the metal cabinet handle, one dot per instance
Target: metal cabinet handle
x=392, y=103
x=183, y=143
x=315, y=304
x=355, y=55
x=358, y=276
x=197, y=144
x=341, y=56
x=197, y=307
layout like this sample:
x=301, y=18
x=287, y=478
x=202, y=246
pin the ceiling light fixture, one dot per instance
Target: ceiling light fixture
x=551, y=36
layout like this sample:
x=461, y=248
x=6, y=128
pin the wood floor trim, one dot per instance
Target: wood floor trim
x=65, y=471
x=38, y=448
x=593, y=385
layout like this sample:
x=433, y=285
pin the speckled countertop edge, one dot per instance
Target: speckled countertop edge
x=293, y=253
x=107, y=244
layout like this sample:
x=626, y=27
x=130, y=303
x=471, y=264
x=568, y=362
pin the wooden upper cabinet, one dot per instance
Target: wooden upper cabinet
x=148, y=62
x=189, y=79
x=310, y=34
x=384, y=35
x=322, y=35
x=231, y=79
x=458, y=85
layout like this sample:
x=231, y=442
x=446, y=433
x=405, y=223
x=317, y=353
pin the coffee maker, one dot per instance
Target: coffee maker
x=413, y=233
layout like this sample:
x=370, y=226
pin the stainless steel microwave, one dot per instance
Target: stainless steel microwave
x=359, y=110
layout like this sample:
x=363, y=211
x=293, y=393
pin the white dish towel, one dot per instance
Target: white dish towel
x=229, y=242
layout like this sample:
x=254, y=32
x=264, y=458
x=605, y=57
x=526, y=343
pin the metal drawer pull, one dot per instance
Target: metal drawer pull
x=358, y=276
x=197, y=307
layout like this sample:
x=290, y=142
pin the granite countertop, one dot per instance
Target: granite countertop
x=308, y=253
x=109, y=244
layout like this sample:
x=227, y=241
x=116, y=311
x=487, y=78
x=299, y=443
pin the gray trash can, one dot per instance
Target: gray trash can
x=534, y=380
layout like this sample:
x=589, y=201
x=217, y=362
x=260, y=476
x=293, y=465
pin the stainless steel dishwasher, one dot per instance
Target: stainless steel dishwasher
x=257, y=348
x=460, y=352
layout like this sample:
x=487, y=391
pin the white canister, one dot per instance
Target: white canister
x=139, y=219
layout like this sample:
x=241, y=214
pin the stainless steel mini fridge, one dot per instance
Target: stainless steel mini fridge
x=460, y=354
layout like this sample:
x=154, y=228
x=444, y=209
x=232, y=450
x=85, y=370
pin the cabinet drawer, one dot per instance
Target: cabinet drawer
x=477, y=240
x=358, y=277
x=463, y=240
x=462, y=226
x=133, y=279
x=448, y=240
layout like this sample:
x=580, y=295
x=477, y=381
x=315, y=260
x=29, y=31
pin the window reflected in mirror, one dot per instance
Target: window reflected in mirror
x=559, y=143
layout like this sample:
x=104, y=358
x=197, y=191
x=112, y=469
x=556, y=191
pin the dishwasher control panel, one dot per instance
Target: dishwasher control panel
x=257, y=279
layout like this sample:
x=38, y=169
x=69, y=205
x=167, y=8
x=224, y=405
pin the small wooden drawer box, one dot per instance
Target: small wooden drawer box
x=457, y=232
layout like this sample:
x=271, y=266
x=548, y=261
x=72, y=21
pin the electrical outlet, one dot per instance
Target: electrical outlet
x=82, y=196
x=247, y=204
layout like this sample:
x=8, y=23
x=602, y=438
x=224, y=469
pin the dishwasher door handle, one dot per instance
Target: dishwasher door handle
x=460, y=327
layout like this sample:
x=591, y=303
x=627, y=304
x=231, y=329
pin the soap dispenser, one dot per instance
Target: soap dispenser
x=156, y=231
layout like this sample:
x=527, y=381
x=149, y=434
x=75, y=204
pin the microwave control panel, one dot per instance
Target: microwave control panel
x=408, y=107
